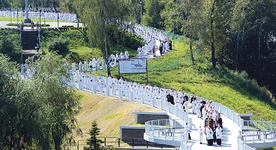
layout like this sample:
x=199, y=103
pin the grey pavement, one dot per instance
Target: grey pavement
x=3, y=24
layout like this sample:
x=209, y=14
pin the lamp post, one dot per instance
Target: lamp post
x=27, y=20
x=57, y=11
x=26, y=9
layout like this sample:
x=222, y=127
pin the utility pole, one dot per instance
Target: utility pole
x=27, y=20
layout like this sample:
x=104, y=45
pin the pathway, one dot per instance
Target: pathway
x=230, y=134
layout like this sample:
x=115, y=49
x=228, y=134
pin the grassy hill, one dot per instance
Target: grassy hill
x=233, y=89
x=109, y=112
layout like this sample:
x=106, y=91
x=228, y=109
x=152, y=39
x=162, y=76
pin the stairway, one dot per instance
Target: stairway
x=29, y=42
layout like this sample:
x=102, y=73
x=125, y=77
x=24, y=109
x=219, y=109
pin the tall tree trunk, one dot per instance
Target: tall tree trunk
x=237, y=50
x=238, y=45
x=212, y=36
x=104, y=48
x=259, y=52
x=191, y=52
x=106, y=54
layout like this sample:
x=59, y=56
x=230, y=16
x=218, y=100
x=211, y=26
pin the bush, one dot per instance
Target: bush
x=9, y=46
x=126, y=39
x=61, y=46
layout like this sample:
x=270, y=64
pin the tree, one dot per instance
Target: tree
x=93, y=141
x=10, y=45
x=58, y=102
x=152, y=13
x=215, y=16
x=7, y=103
x=101, y=16
x=189, y=21
x=38, y=111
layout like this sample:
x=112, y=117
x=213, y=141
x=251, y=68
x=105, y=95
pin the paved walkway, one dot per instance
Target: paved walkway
x=230, y=134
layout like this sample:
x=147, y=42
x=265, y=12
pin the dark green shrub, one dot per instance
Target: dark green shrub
x=61, y=46
x=125, y=38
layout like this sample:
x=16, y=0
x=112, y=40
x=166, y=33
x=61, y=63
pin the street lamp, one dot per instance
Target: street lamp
x=27, y=20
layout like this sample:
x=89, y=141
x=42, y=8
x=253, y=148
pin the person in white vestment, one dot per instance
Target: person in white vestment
x=219, y=134
x=200, y=135
x=80, y=66
x=126, y=55
x=209, y=135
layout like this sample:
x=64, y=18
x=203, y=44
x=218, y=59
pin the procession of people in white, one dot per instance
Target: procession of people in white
x=143, y=93
x=46, y=13
x=154, y=39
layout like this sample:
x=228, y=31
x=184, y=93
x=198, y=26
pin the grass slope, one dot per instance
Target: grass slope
x=232, y=89
x=109, y=112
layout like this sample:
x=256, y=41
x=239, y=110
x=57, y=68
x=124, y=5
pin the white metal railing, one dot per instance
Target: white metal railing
x=184, y=143
x=242, y=146
x=163, y=129
x=265, y=133
x=259, y=125
x=167, y=129
x=258, y=136
x=229, y=113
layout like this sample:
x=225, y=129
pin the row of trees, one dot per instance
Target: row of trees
x=237, y=33
x=37, y=113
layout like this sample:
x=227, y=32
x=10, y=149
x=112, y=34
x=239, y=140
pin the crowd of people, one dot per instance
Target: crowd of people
x=99, y=63
x=155, y=41
x=48, y=14
x=212, y=124
x=211, y=127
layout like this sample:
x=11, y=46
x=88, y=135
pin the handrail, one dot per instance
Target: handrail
x=166, y=129
x=257, y=136
x=163, y=129
x=259, y=125
x=242, y=146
